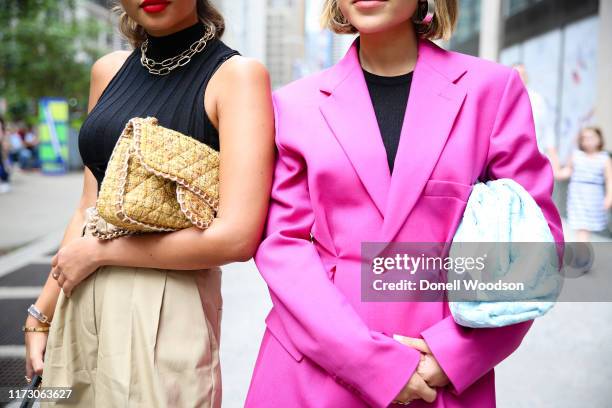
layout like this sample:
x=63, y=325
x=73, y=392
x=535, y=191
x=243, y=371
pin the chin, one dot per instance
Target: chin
x=371, y=28
x=373, y=25
x=156, y=24
x=162, y=21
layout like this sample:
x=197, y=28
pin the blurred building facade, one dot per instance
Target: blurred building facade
x=284, y=39
x=566, y=48
x=245, y=27
x=272, y=31
x=99, y=10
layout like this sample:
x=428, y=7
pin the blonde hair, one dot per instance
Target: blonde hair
x=136, y=34
x=442, y=26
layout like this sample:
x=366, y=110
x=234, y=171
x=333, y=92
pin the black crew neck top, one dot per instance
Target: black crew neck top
x=175, y=99
x=389, y=98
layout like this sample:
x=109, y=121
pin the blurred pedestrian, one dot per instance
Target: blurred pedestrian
x=542, y=118
x=16, y=145
x=589, y=196
x=5, y=185
x=30, y=140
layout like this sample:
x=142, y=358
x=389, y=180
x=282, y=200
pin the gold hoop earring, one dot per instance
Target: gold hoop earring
x=423, y=18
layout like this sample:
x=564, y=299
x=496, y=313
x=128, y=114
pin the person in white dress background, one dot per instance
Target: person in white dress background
x=589, y=196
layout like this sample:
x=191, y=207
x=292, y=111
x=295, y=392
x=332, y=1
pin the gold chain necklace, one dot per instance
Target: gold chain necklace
x=169, y=64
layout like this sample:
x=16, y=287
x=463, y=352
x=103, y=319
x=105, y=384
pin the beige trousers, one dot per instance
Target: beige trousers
x=138, y=337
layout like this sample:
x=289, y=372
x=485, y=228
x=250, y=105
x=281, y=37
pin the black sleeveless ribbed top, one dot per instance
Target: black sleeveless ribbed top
x=175, y=99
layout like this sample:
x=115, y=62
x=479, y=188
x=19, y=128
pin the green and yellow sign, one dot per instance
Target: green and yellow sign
x=53, y=132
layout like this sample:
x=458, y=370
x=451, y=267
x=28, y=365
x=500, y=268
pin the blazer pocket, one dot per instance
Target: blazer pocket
x=276, y=328
x=443, y=188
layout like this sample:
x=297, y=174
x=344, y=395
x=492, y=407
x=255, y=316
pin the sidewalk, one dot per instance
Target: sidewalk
x=564, y=361
x=36, y=206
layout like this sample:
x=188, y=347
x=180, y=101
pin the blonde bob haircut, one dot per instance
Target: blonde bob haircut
x=135, y=33
x=442, y=26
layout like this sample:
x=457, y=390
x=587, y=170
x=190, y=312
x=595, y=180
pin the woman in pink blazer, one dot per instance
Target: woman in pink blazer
x=465, y=120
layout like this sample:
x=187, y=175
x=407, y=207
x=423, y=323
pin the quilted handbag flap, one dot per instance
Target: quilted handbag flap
x=183, y=159
x=133, y=198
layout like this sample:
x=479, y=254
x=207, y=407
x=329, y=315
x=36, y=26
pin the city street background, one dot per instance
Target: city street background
x=565, y=47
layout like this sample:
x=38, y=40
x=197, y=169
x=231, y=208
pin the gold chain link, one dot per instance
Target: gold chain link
x=169, y=64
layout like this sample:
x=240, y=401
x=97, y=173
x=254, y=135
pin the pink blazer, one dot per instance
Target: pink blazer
x=467, y=119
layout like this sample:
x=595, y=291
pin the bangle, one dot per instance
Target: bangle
x=38, y=315
x=35, y=329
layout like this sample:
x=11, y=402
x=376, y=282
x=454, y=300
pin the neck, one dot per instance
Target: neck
x=169, y=45
x=190, y=20
x=391, y=52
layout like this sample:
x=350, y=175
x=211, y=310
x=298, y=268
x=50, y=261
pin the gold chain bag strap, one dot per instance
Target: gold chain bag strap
x=157, y=180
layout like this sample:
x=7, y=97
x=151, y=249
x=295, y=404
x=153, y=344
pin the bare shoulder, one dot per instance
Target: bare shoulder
x=108, y=65
x=239, y=70
x=103, y=71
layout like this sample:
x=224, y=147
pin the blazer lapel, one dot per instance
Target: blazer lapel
x=433, y=105
x=349, y=113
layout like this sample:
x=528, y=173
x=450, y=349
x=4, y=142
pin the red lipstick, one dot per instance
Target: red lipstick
x=154, y=6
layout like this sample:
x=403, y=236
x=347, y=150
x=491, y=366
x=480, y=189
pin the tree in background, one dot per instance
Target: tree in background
x=46, y=50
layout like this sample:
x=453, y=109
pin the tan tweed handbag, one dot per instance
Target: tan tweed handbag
x=157, y=179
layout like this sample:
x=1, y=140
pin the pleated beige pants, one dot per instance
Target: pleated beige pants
x=138, y=337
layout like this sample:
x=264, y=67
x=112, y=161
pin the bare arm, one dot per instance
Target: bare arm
x=101, y=74
x=563, y=172
x=48, y=297
x=239, y=101
x=608, y=176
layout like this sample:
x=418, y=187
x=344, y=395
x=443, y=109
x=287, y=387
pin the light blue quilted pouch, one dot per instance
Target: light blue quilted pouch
x=504, y=221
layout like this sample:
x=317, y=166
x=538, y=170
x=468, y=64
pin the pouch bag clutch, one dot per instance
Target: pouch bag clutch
x=157, y=179
x=502, y=220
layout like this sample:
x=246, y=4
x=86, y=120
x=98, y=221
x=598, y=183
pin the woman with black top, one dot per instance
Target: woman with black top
x=136, y=320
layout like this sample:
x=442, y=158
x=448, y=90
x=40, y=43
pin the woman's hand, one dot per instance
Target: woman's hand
x=75, y=261
x=35, y=343
x=416, y=388
x=429, y=369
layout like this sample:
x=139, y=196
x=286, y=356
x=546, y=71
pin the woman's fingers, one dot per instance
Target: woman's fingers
x=29, y=370
x=35, y=361
x=65, y=284
x=35, y=352
x=55, y=272
x=37, y=365
x=415, y=343
x=424, y=391
x=60, y=280
x=431, y=371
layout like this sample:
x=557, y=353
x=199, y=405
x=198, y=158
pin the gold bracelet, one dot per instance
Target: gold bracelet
x=35, y=329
